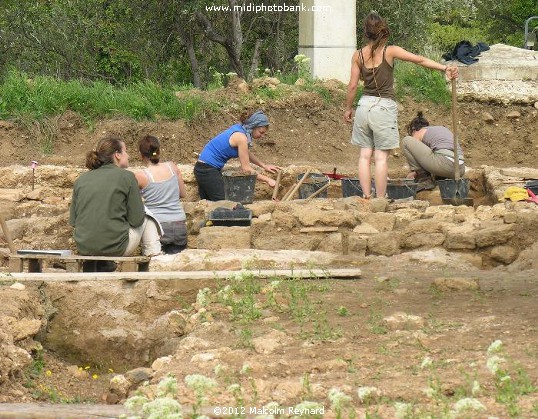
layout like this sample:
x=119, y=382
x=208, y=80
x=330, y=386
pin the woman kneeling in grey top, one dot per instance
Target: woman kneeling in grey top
x=430, y=150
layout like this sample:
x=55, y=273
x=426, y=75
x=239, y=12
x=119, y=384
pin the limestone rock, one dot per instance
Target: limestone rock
x=414, y=241
x=25, y=328
x=160, y=363
x=191, y=343
x=365, y=228
x=494, y=234
x=513, y=115
x=504, y=254
x=331, y=243
x=357, y=244
x=386, y=244
x=286, y=390
x=527, y=259
x=379, y=204
x=308, y=216
x=139, y=375
x=520, y=172
x=120, y=385
x=16, y=228
x=18, y=286
x=270, y=342
x=78, y=372
x=455, y=284
x=14, y=195
x=488, y=118
x=381, y=221
x=215, y=238
x=403, y=321
x=460, y=237
x=35, y=195
x=510, y=218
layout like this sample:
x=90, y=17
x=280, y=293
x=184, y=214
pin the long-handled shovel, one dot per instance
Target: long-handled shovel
x=458, y=198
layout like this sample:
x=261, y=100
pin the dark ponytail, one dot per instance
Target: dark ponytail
x=150, y=148
x=104, y=152
x=376, y=30
x=417, y=123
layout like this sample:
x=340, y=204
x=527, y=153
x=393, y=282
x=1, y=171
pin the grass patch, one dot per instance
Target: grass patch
x=43, y=97
x=421, y=84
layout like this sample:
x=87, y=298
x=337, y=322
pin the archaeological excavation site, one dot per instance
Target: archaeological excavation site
x=287, y=301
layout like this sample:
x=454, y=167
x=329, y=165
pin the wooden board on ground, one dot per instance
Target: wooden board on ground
x=72, y=411
x=73, y=263
x=349, y=273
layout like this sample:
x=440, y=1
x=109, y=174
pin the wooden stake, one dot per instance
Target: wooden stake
x=298, y=185
x=316, y=193
x=277, y=185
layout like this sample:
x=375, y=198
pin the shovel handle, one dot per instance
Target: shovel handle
x=455, y=131
x=277, y=185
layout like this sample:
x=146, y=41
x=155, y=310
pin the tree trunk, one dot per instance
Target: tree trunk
x=232, y=45
x=255, y=60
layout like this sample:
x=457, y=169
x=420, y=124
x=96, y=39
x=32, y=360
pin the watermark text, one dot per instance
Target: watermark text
x=271, y=8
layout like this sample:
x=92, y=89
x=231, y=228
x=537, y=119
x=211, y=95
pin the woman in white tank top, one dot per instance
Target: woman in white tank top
x=162, y=186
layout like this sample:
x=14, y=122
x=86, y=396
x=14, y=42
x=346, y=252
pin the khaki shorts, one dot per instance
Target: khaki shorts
x=376, y=124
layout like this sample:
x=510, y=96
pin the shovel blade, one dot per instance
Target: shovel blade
x=458, y=201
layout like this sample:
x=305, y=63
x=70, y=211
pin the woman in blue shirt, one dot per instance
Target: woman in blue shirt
x=234, y=142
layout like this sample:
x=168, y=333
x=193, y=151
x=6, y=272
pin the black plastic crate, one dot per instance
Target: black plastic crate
x=230, y=217
x=532, y=185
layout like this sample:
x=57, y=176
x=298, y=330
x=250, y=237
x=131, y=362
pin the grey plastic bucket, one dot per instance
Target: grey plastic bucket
x=448, y=188
x=238, y=187
x=313, y=183
x=352, y=187
x=402, y=189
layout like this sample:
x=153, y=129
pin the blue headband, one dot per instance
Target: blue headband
x=257, y=119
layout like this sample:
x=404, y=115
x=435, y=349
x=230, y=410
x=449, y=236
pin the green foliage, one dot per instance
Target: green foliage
x=421, y=83
x=128, y=41
x=445, y=37
x=46, y=96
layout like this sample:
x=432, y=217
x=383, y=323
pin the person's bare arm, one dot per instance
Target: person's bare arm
x=271, y=168
x=182, y=188
x=141, y=179
x=394, y=51
x=352, y=87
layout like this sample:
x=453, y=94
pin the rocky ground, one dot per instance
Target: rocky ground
x=408, y=337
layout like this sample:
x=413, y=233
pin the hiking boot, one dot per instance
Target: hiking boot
x=106, y=266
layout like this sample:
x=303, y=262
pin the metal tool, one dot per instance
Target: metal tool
x=533, y=197
x=457, y=199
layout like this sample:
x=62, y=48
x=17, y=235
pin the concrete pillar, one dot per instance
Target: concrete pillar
x=327, y=35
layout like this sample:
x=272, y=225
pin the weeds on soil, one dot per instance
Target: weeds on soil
x=42, y=96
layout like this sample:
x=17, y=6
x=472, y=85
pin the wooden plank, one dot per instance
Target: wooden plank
x=54, y=411
x=348, y=273
x=80, y=257
x=318, y=229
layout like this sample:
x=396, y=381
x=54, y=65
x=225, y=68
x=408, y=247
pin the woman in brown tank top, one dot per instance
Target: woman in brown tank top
x=375, y=126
